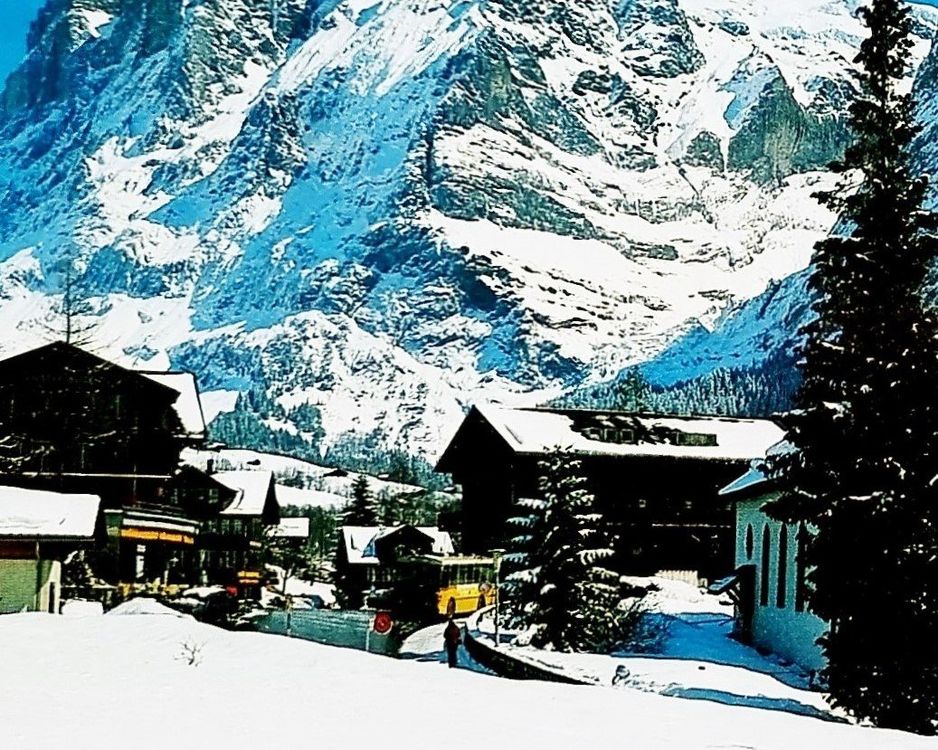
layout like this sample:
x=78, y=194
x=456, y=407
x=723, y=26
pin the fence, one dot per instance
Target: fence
x=351, y=629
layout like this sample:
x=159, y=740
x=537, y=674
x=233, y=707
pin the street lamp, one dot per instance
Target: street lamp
x=497, y=560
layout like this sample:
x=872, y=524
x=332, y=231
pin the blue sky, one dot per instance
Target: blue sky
x=15, y=16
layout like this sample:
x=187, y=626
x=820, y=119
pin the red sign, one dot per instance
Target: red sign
x=383, y=623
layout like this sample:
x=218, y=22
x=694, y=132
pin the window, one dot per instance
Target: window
x=764, y=577
x=800, y=583
x=749, y=541
x=782, y=567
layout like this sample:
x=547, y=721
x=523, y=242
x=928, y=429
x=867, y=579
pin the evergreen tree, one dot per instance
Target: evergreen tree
x=561, y=591
x=864, y=433
x=350, y=580
x=361, y=510
x=521, y=565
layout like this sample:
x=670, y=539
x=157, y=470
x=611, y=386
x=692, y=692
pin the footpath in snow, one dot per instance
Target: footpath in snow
x=697, y=660
x=426, y=645
x=150, y=679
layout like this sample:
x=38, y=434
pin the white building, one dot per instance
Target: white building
x=772, y=611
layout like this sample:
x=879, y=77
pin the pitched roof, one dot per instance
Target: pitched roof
x=188, y=406
x=543, y=431
x=253, y=488
x=360, y=541
x=759, y=477
x=37, y=514
x=60, y=349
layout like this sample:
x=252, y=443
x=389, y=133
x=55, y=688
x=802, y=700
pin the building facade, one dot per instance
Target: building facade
x=73, y=422
x=772, y=610
x=655, y=478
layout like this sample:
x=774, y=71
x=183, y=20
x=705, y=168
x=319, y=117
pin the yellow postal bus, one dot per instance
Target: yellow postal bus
x=463, y=583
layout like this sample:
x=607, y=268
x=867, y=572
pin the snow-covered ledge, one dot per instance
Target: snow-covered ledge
x=507, y=661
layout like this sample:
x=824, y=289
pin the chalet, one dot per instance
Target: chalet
x=656, y=478
x=234, y=539
x=769, y=581
x=37, y=530
x=373, y=550
x=73, y=422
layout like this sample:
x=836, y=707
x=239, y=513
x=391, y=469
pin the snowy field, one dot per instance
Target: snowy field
x=697, y=659
x=113, y=680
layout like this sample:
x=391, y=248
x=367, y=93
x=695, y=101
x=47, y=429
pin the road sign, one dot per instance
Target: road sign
x=382, y=623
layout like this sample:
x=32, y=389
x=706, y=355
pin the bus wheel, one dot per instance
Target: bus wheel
x=481, y=603
x=451, y=607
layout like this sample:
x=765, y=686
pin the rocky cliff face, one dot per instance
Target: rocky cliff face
x=390, y=208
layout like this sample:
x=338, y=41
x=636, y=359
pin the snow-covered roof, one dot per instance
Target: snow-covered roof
x=759, y=472
x=39, y=514
x=753, y=477
x=188, y=406
x=536, y=431
x=252, y=487
x=291, y=528
x=316, y=498
x=360, y=541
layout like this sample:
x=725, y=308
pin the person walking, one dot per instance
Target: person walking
x=452, y=637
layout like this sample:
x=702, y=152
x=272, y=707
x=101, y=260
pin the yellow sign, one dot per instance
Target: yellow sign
x=249, y=575
x=156, y=535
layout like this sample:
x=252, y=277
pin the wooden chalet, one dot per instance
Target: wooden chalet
x=656, y=478
x=233, y=540
x=372, y=551
x=73, y=422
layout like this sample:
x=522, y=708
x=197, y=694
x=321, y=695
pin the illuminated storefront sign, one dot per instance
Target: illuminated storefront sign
x=157, y=535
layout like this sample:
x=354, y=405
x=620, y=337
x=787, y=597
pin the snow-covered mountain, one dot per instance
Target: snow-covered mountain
x=387, y=209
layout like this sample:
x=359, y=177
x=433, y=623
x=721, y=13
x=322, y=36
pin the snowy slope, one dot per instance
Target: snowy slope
x=388, y=209
x=128, y=680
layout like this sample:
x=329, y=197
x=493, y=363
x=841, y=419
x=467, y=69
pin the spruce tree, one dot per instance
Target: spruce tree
x=570, y=598
x=362, y=510
x=350, y=580
x=864, y=430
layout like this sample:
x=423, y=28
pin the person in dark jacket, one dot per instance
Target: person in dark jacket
x=452, y=637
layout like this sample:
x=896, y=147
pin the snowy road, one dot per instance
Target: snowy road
x=427, y=646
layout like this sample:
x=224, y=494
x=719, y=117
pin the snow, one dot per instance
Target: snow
x=218, y=402
x=543, y=431
x=81, y=608
x=252, y=487
x=39, y=514
x=360, y=540
x=753, y=477
x=333, y=488
x=299, y=498
x=697, y=661
x=290, y=528
x=188, y=406
x=143, y=605
x=95, y=20
x=81, y=681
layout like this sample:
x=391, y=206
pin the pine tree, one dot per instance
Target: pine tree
x=361, y=510
x=565, y=597
x=350, y=581
x=864, y=430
